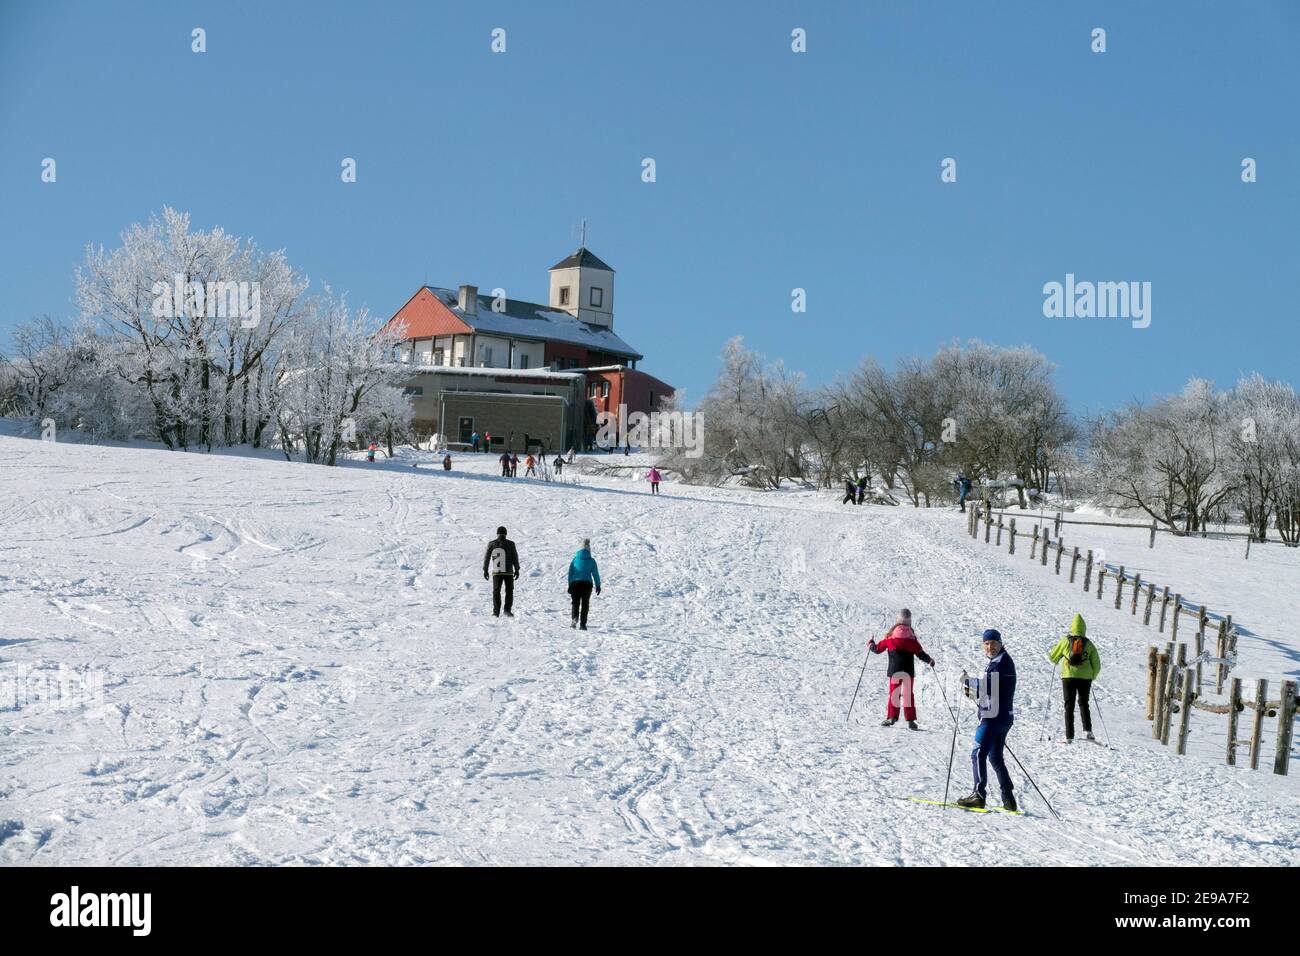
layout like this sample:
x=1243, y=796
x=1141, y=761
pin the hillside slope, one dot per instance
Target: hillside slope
x=301, y=667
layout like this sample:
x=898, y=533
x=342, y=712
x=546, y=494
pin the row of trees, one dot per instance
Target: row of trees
x=170, y=347
x=1206, y=456
x=973, y=409
x=993, y=413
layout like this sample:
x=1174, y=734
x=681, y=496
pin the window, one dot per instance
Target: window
x=485, y=355
x=564, y=295
x=414, y=391
x=604, y=389
x=597, y=296
x=438, y=357
x=592, y=389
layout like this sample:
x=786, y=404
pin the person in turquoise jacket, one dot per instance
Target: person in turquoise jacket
x=1080, y=665
x=583, y=574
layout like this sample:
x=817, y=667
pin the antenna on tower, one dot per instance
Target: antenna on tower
x=583, y=243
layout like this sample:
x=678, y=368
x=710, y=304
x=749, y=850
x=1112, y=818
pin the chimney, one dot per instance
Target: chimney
x=468, y=300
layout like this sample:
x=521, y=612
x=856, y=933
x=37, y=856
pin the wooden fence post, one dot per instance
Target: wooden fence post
x=988, y=527
x=1011, y=545
x=1257, y=724
x=1200, y=649
x=1152, y=544
x=1119, y=586
x=1057, y=530
x=1151, y=596
x=1074, y=562
x=1162, y=667
x=1033, y=547
x=1137, y=589
x=998, y=542
x=1060, y=550
x=1184, y=715
x=1046, y=541
x=1152, y=662
x=1087, y=573
x=1164, y=608
x=1220, y=651
x=1234, y=708
x=1171, y=692
x=1101, y=580
x=1178, y=609
x=1285, y=719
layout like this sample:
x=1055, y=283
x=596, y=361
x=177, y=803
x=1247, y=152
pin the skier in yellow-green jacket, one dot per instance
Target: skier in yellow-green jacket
x=1080, y=665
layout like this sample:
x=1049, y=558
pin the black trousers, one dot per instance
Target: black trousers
x=497, y=581
x=580, y=594
x=1079, y=687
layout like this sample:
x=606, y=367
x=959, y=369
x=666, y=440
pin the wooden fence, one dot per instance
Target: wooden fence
x=1173, y=689
x=1152, y=529
x=1161, y=695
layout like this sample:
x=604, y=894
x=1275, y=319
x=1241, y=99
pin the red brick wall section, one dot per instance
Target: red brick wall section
x=631, y=387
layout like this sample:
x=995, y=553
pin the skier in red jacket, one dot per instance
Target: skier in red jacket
x=902, y=645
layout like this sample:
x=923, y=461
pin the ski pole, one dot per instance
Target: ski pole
x=938, y=680
x=858, y=688
x=1047, y=717
x=951, y=751
x=1031, y=781
x=1103, y=720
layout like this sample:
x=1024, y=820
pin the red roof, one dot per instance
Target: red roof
x=426, y=316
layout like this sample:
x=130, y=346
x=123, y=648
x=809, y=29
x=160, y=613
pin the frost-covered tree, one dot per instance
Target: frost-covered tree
x=177, y=331
x=338, y=371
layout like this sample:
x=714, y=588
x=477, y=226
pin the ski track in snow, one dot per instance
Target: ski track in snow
x=300, y=667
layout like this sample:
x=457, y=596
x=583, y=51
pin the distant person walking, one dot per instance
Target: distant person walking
x=487, y=441
x=583, y=575
x=370, y=452
x=862, y=488
x=559, y=465
x=529, y=463
x=514, y=464
x=654, y=478
x=505, y=464
x=850, y=492
x=501, y=564
x=473, y=441
x=1080, y=665
x=446, y=462
x=963, y=490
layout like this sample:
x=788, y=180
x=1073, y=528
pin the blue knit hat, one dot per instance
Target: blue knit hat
x=992, y=634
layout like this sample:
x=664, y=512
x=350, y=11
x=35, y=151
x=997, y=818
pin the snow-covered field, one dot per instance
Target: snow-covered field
x=300, y=666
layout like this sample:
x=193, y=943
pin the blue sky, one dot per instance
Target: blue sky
x=775, y=170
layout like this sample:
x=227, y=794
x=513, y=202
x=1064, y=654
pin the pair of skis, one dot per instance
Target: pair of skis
x=958, y=806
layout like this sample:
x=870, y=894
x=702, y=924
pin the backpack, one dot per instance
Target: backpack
x=1076, y=649
x=499, y=561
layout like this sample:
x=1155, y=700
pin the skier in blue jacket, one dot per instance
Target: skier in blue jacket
x=583, y=573
x=995, y=691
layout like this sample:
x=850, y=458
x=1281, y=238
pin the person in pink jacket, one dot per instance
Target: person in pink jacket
x=653, y=477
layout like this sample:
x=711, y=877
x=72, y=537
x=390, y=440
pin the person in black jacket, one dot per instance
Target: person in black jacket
x=850, y=492
x=501, y=564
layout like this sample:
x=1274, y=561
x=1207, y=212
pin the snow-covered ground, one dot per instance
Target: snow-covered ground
x=300, y=666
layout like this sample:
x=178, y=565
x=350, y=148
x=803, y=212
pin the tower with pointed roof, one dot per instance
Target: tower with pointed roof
x=583, y=286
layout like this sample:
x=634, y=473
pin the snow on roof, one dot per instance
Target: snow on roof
x=532, y=320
